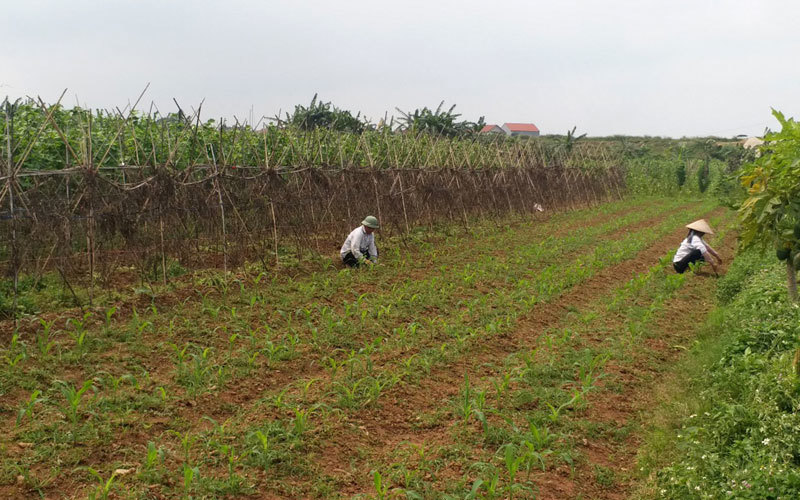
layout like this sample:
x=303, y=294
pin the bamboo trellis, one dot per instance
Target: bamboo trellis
x=89, y=221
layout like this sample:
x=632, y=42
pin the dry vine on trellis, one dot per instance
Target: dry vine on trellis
x=97, y=213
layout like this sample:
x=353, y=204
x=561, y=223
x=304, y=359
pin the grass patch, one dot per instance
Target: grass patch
x=729, y=425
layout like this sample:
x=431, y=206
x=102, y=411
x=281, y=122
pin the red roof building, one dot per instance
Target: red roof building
x=515, y=129
x=492, y=128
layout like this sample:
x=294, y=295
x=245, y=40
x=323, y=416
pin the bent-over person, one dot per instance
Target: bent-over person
x=360, y=244
x=694, y=249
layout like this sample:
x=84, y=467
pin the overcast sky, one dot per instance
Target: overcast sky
x=670, y=68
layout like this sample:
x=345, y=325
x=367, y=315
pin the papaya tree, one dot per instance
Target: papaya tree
x=770, y=216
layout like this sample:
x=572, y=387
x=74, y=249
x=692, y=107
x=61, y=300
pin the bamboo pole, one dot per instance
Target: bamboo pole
x=274, y=231
x=163, y=253
x=10, y=187
x=461, y=201
x=377, y=197
x=90, y=232
x=403, y=200
x=221, y=212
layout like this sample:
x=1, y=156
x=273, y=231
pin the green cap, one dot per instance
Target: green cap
x=371, y=221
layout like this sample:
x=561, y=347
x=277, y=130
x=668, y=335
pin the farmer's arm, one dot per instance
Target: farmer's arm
x=714, y=253
x=713, y=266
x=707, y=252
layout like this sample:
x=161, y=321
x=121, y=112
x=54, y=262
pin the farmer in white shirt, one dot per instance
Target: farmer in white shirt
x=694, y=249
x=360, y=244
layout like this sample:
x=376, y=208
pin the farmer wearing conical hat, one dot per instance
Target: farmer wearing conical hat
x=360, y=244
x=694, y=249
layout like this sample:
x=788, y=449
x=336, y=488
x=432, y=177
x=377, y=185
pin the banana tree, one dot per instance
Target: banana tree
x=771, y=213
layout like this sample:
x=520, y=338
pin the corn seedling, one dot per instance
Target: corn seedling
x=502, y=383
x=261, y=450
x=232, y=344
x=512, y=461
x=251, y=361
x=381, y=487
x=73, y=397
x=43, y=338
x=109, y=313
x=180, y=355
x=349, y=394
x=78, y=331
x=299, y=422
x=490, y=487
x=154, y=458
x=190, y=476
x=103, y=489
x=27, y=406
x=13, y=360
x=187, y=441
x=307, y=386
x=162, y=393
x=465, y=407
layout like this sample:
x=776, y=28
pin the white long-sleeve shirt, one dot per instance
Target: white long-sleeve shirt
x=693, y=242
x=359, y=242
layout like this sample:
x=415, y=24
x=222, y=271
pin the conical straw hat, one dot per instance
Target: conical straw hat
x=700, y=225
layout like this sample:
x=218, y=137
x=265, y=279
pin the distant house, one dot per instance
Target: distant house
x=494, y=129
x=516, y=129
x=752, y=142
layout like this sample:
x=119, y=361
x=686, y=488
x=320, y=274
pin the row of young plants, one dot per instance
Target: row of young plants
x=527, y=414
x=732, y=429
x=130, y=391
x=193, y=367
x=466, y=404
x=362, y=374
x=50, y=342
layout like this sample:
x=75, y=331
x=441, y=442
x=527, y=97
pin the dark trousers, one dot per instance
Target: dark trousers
x=682, y=265
x=350, y=260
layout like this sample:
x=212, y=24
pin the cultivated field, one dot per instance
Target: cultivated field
x=510, y=359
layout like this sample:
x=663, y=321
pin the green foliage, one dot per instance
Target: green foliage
x=437, y=122
x=652, y=174
x=772, y=209
x=745, y=264
x=771, y=212
x=680, y=174
x=381, y=487
x=743, y=441
x=26, y=287
x=571, y=139
x=320, y=114
x=703, y=177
